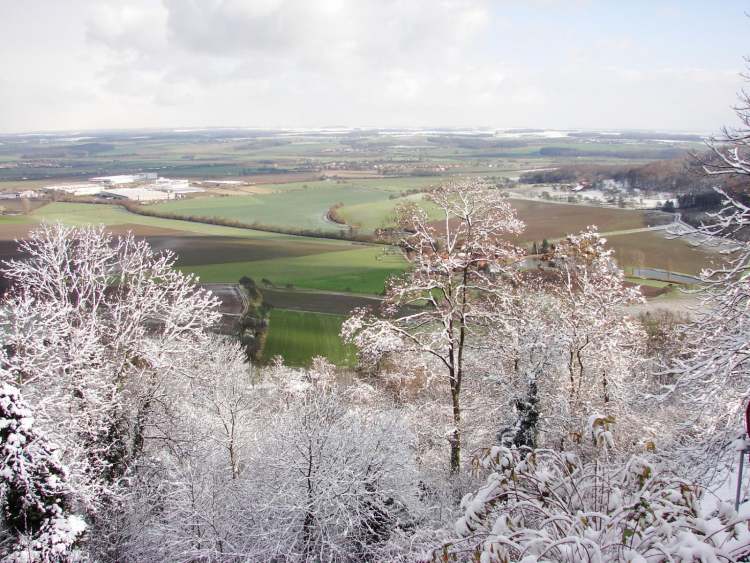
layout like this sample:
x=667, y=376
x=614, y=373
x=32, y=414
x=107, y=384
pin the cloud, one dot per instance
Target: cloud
x=371, y=31
x=128, y=27
x=377, y=53
x=545, y=63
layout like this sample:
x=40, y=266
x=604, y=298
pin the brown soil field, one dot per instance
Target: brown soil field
x=230, y=307
x=191, y=248
x=195, y=250
x=258, y=180
x=8, y=250
x=281, y=178
x=316, y=302
x=648, y=291
x=555, y=220
x=11, y=231
x=653, y=250
x=352, y=174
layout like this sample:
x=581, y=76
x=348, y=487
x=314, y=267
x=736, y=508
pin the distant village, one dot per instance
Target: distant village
x=604, y=192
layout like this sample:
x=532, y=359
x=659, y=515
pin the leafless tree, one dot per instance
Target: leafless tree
x=460, y=263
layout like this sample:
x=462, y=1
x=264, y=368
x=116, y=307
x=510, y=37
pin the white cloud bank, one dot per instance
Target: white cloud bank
x=309, y=63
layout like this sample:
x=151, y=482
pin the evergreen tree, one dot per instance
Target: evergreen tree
x=34, y=491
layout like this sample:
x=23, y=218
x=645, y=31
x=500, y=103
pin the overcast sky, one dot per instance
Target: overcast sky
x=658, y=64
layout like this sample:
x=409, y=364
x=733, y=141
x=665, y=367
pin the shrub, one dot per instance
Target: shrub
x=541, y=505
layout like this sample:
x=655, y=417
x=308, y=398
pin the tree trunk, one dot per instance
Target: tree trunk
x=528, y=417
x=455, y=439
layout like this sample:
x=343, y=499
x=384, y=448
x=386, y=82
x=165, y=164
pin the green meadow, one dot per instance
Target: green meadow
x=302, y=205
x=225, y=254
x=361, y=270
x=300, y=336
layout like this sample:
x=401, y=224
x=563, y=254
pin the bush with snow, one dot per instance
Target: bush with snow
x=542, y=505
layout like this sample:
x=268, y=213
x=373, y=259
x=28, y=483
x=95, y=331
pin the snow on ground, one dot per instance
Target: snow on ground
x=724, y=488
x=544, y=134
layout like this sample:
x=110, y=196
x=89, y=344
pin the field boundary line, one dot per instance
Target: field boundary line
x=308, y=312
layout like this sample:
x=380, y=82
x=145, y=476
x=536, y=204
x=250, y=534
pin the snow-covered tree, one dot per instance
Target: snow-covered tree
x=323, y=472
x=567, y=349
x=36, y=523
x=183, y=500
x=732, y=148
x=544, y=505
x=529, y=359
x=96, y=329
x=459, y=265
x=599, y=342
x=336, y=473
x=223, y=388
x=711, y=375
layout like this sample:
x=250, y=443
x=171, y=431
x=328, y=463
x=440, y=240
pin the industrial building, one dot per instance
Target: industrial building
x=136, y=194
x=136, y=187
x=123, y=179
x=177, y=186
x=76, y=189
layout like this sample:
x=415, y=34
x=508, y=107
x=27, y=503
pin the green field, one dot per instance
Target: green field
x=374, y=215
x=225, y=254
x=301, y=205
x=77, y=214
x=363, y=270
x=299, y=336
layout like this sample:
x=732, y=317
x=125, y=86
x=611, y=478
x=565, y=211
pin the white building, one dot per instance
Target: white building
x=76, y=189
x=136, y=194
x=177, y=186
x=122, y=179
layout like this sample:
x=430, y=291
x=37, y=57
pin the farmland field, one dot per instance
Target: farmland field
x=290, y=181
x=653, y=250
x=373, y=215
x=302, y=205
x=221, y=254
x=225, y=254
x=362, y=270
x=543, y=219
x=300, y=336
x=317, y=301
x=555, y=220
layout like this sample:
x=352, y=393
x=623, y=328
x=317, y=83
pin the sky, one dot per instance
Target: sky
x=558, y=64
